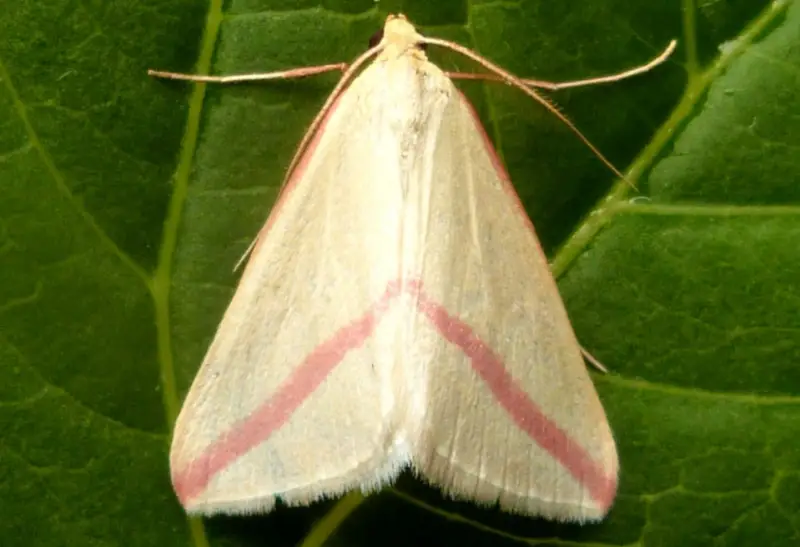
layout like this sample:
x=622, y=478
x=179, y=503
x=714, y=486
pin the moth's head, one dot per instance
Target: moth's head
x=397, y=36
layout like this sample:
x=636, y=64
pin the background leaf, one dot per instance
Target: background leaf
x=126, y=201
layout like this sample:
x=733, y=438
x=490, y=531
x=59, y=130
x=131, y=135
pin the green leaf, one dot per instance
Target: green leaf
x=126, y=202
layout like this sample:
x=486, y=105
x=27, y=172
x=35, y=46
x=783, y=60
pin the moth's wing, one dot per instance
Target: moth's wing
x=512, y=414
x=288, y=401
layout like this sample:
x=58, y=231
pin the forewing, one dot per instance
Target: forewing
x=288, y=401
x=512, y=415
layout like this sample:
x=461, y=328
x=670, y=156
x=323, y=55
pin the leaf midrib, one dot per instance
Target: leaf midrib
x=162, y=278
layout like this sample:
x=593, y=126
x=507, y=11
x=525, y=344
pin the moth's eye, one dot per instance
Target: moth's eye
x=423, y=46
x=375, y=39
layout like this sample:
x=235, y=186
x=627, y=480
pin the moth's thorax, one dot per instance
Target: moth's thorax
x=408, y=108
x=410, y=78
x=412, y=86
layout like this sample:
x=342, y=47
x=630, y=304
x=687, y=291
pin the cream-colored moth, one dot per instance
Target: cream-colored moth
x=396, y=311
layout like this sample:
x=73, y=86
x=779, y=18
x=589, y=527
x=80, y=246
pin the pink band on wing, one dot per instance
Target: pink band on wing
x=307, y=377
